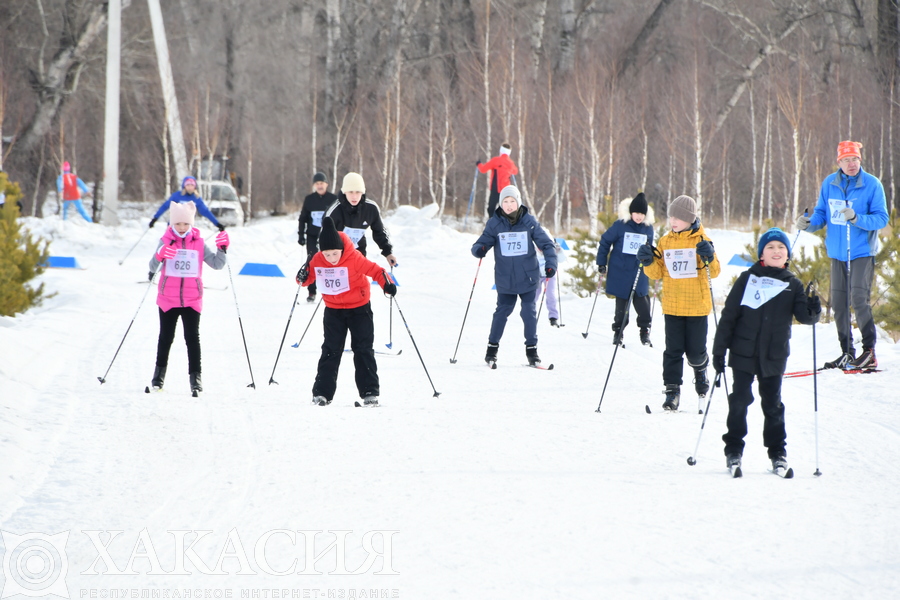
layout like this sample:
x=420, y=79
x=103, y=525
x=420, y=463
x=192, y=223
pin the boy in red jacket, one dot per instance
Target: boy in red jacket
x=502, y=169
x=341, y=272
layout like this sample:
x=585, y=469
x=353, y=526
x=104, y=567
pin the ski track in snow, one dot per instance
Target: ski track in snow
x=508, y=486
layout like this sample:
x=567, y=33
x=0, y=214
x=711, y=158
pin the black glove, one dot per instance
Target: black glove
x=601, y=269
x=705, y=250
x=481, y=252
x=477, y=163
x=390, y=288
x=150, y=275
x=152, y=223
x=550, y=272
x=221, y=227
x=645, y=255
x=301, y=240
x=302, y=275
x=813, y=304
x=719, y=363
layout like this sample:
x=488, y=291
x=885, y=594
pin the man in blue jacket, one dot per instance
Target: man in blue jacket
x=852, y=206
x=188, y=192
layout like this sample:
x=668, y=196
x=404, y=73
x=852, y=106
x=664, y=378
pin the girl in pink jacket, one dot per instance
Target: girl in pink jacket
x=180, y=291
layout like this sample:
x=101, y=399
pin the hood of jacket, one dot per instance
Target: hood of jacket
x=624, y=215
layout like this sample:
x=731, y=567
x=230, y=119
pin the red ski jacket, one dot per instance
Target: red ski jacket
x=348, y=274
x=503, y=168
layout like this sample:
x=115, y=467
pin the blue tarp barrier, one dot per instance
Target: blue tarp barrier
x=740, y=260
x=261, y=270
x=62, y=262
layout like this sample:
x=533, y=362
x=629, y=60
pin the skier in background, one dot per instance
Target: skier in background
x=69, y=188
x=502, y=168
x=353, y=213
x=310, y=221
x=187, y=193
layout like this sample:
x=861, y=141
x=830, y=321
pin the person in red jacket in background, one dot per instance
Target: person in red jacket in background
x=341, y=271
x=502, y=169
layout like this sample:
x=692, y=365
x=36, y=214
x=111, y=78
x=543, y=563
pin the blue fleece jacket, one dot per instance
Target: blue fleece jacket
x=865, y=195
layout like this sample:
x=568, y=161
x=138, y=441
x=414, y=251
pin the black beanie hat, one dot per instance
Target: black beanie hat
x=639, y=204
x=320, y=176
x=328, y=237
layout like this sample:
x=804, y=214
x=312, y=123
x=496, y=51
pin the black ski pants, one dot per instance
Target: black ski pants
x=685, y=336
x=740, y=399
x=312, y=246
x=190, y=322
x=641, y=306
x=337, y=322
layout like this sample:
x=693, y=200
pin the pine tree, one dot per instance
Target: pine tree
x=886, y=304
x=20, y=256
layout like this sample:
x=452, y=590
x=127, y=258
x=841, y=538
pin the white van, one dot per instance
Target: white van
x=223, y=202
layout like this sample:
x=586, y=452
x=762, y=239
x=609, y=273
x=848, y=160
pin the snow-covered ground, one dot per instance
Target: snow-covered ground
x=509, y=485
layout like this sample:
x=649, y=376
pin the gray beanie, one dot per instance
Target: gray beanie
x=513, y=191
x=684, y=208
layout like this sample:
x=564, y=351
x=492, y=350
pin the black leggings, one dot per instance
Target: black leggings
x=190, y=320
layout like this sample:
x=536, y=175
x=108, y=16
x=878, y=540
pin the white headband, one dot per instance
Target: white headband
x=504, y=150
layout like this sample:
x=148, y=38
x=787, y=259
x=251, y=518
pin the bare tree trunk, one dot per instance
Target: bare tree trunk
x=630, y=55
x=487, y=95
x=698, y=141
x=567, y=41
x=60, y=79
x=537, y=37
x=755, y=169
x=332, y=54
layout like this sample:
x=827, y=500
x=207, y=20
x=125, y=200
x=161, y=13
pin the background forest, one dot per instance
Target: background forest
x=737, y=103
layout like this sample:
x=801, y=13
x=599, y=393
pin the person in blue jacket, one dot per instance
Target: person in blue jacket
x=512, y=232
x=852, y=207
x=188, y=192
x=633, y=229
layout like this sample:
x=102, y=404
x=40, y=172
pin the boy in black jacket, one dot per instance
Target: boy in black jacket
x=310, y=222
x=756, y=328
x=353, y=214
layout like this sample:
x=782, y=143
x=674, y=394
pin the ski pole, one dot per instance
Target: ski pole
x=691, y=460
x=596, y=295
x=559, y=300
x=436, y=393
x=149, y=285
x=252, y=383
x=315, y=310
x=471, y=198
x=541, y=305
x=818, y=473
x=849, y=290
x=616, y=349
x=133, y=247
x=453, y=360
x=290, y=316
x=284, y=335
x=390, y=343
x=716, y=321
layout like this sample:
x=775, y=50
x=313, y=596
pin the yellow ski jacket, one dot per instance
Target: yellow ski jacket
x=683, y=296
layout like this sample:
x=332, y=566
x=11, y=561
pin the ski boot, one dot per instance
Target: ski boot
x=554, y=322
x=781, y=468
x=866, y=360
x=701, y=382
x=673, y=396
x=617, y=338
x=159, y=376
x=196, y=384
x=321, y=401
x=311, y=298
x=841, y=362
x=370, y=401
x=645, y=336
x=532, y=355
x=733, y=462
x=490, y=357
